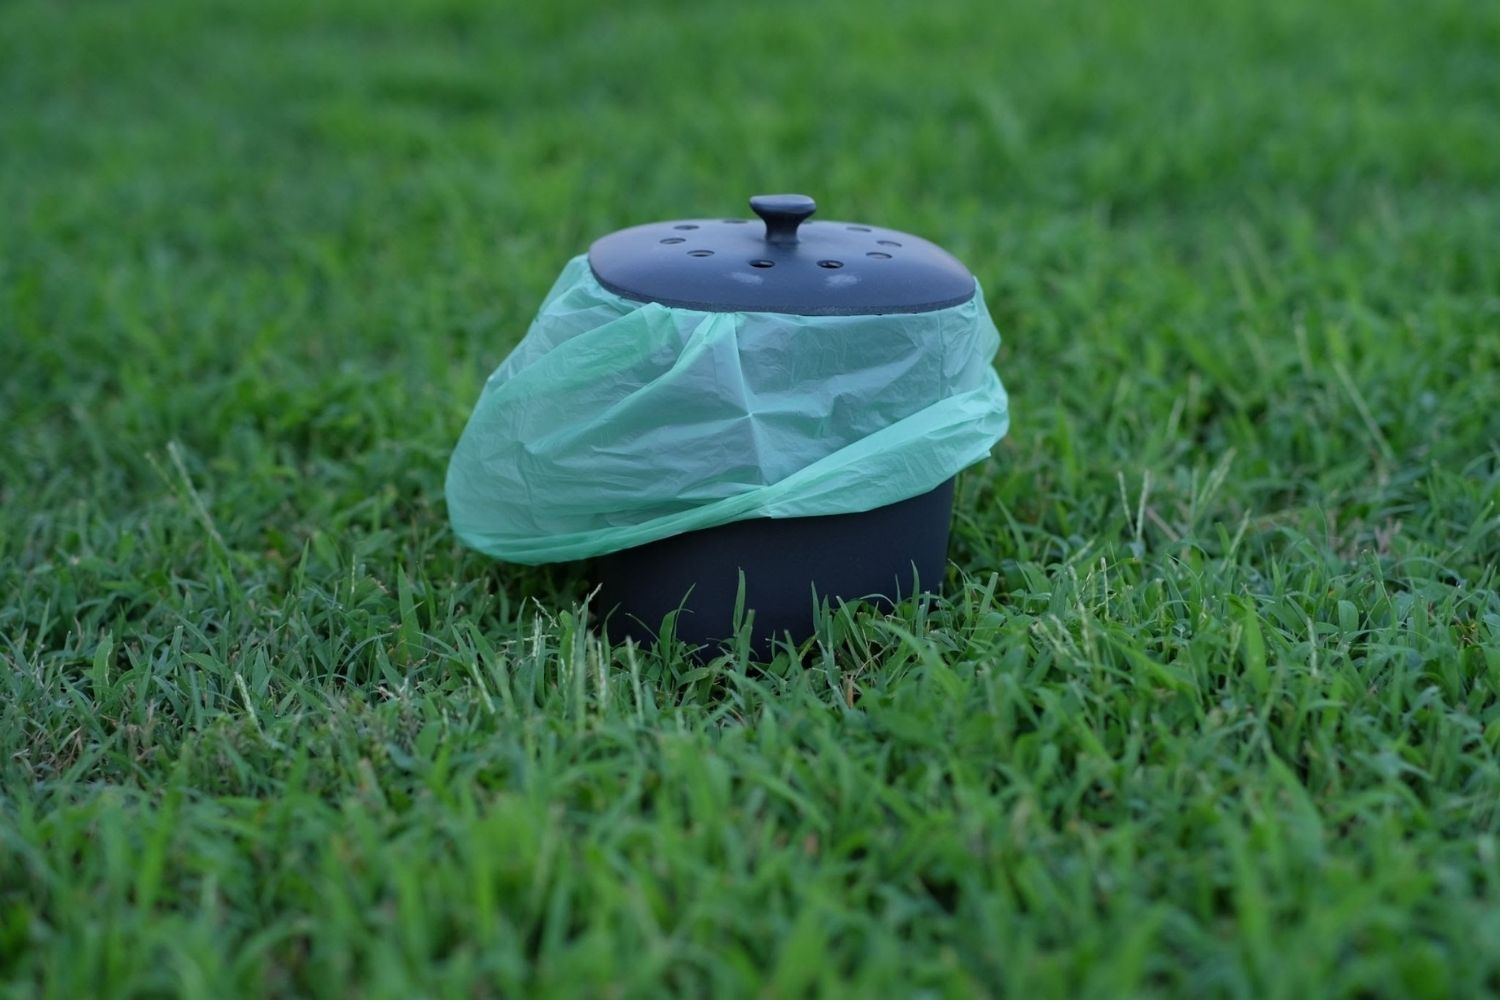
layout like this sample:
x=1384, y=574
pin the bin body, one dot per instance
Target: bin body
x=789, y=566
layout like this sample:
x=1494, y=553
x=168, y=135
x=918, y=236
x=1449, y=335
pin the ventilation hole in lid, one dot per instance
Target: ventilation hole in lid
x=675, y=239
x=860, y=229
x=762, y=263
x=736, y=222
x=686, y=225
x=830, y=263
x=888, y=243
x=878, y=255
x=700, y=253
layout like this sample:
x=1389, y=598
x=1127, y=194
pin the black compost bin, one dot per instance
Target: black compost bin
x=730, y=416
x=778, y=569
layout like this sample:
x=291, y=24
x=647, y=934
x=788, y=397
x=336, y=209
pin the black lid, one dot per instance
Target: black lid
x=789, y=266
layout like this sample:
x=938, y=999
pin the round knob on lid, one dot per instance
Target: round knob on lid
x=782, y=213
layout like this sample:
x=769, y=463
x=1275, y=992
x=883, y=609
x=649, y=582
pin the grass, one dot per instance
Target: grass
x=1212, y=707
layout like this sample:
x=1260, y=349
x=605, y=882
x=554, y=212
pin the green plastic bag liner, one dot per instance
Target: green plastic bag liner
x=617, y=422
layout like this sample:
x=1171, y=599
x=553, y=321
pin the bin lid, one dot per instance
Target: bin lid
x=789, y=265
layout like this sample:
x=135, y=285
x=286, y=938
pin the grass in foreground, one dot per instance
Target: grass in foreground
x=1213, y=705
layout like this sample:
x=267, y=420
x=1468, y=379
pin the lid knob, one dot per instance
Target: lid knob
x=782, y=213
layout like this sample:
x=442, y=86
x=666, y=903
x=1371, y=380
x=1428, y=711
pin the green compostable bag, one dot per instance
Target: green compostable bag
x=615, y=423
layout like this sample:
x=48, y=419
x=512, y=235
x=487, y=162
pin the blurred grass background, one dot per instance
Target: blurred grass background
x=1214, y=707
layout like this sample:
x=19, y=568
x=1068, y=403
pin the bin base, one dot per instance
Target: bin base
x=875, y=555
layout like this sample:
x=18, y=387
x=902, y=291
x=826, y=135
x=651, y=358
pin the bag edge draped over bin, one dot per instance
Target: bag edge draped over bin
x=615, y=423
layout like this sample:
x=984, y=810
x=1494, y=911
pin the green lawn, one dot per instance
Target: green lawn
x=1212, y=707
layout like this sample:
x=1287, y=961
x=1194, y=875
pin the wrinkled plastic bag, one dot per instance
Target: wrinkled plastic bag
x=615, y=423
